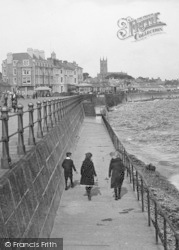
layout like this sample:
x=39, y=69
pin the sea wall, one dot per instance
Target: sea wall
x=114, y=99
x=108, y=100
x=30, y=192
x=145, y=96
x=89, y=109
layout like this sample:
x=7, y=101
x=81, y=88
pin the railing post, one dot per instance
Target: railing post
x=124, y=156
x=45, y=127
x=64, y=106
x=20, y=146
x=5, y=159
x=148, y=207
x=156, y=223
x=137, y=185
x=130, y=174
x=31, y=139
x=133, y=178
x=39, y=119
x=54, y=112
x=50, y=123
x=142, y=194
x=61, y=109
x=58, y=109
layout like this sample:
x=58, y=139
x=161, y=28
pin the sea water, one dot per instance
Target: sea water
x=150, y=131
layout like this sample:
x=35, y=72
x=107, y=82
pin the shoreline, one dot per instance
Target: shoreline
x=174, y=177
x=165, y=192
x=150, y=96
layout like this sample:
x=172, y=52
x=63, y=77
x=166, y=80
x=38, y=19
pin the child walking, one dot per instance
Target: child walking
x=68, y=167
x=87, y=174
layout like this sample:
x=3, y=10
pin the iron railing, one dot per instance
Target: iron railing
x=47, y=113
x=164, y=229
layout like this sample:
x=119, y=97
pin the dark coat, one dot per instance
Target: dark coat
x=68, y=167
x=14, y=101
x=116, y=172
x=87, y=173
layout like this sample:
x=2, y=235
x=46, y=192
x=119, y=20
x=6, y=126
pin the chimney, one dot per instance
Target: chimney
x=42, y=54
x=30, y=52
x=9, y=58
x=36, y=53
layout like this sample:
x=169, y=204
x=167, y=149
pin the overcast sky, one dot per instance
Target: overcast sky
x=85, y=30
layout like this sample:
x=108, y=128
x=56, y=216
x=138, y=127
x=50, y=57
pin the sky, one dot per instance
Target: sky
x=86, y=30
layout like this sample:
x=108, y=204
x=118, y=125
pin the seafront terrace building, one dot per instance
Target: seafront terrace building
x=29, y=70
x=26, y=71
x=66, y=75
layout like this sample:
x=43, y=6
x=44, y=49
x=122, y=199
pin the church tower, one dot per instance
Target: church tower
x=103, y=67
x=53, y=55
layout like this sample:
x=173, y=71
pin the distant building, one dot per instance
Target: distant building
x=148, y=80
x=26, y=71
x=66, y=75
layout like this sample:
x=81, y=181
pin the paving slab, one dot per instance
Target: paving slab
x=101, y=223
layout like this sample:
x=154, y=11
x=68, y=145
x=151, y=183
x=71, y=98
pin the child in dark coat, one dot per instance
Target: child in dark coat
x=68, y=167
x=116, y=172
x=87, y=174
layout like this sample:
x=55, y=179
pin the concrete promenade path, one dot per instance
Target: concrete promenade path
x=101, y=223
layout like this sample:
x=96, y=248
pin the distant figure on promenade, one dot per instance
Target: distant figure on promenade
x=116, y=172
x=87, y=174
x=34, y=95
x=14, y=101
x=68, y=169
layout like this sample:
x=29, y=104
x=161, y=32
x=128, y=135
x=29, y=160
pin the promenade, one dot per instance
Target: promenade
x=101, y=223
